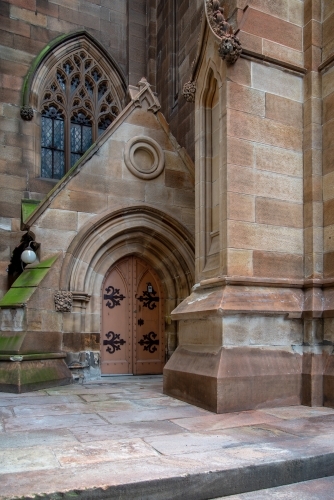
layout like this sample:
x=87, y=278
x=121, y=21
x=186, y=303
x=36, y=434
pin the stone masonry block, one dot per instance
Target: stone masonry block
x=240, y=207
x=272, y=28
x=263, y=130
x=280, y=213
x=245, y=99
x=276, y=81
x=277, y=265
x=28, y=16
x=284, y=110
x=282, y=53
x=239, y=262
x=245, y=235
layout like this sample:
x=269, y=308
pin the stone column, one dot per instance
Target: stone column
x=241, y=329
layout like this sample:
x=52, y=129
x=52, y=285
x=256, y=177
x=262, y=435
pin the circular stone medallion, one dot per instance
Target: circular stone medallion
x=144, y=157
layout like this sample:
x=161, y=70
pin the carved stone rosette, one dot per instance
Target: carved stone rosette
x=27, y=113
x=230, y=49
x=230, y=46
x=189, y=91
x=63, y=301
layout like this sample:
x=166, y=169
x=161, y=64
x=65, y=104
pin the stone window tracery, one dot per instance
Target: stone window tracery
x=77, y=105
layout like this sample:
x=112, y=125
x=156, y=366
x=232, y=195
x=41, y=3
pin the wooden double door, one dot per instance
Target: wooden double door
x=132, y=336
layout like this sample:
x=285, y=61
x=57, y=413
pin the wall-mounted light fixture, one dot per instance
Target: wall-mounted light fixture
x=28, y=256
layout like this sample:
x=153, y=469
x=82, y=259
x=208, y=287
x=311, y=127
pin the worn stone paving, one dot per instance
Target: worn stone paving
x=121, y=431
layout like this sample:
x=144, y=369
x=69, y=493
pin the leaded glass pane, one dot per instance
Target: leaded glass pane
x=74, y=158
x=58, y=164
x=58, y=134
x=75, y=111
x=61, y=80
x=86, y=138
x=75, y=138
x=46, y=132
x=46, y=167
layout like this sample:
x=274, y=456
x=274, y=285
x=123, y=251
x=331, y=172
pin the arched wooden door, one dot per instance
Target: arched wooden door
x=132, y=336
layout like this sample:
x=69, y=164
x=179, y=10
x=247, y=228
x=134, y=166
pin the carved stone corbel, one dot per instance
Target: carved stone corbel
x=27, y=113
x=230, y=49
x=189, y=91
x=63, y=301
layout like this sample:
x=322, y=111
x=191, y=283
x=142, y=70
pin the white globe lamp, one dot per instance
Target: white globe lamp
x=28, y=256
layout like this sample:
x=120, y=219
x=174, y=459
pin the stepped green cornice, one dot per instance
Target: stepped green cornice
x=26, y=284
x=25, y=95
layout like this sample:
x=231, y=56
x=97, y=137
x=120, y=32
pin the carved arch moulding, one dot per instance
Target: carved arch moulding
x=229, y=44
x=76, y=90
x=143, y=231
x=57, y=50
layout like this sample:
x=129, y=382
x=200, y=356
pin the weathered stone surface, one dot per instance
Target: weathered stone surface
x=195, y=456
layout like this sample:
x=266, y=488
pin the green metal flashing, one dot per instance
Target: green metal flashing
x=30, y=277
x=45, y=263
x=17, y=297
x=23, y=288
x=28, y=207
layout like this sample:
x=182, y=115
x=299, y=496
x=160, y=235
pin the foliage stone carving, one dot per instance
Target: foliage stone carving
x=63, y=301
x=230, y=49
x=27, y=113
x=189, y=91
x=230, y=46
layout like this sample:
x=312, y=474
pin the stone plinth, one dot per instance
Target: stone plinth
x=240, y=348
x=33, y=372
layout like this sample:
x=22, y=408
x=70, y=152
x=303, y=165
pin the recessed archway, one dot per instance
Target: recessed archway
x=140, y=231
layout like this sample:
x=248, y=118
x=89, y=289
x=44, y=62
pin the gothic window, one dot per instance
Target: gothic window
x=77, y=106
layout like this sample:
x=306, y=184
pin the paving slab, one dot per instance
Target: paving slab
x=52, y=422
x=223, y=421
x=291, y=412
x=40, y=410
x=122, y=438
x=152, y=415
x=39, y=400
x=102, y=451
x=27, y=459
x=47, y=437
x=123, y=431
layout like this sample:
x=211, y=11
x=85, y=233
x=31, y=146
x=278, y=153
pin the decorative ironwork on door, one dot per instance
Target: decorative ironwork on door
x=114, y=342
x=132, y=338
x=149, y=298
x=114, y=298
x=149, y=342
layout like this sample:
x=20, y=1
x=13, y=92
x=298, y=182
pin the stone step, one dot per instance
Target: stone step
x=318, y=489
x=197, y=476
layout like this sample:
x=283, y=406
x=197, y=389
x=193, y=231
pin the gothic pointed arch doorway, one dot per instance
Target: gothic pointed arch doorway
x=132, y=326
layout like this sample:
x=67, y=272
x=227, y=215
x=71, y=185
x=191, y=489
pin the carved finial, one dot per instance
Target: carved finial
x=189, y=91
x=230, y=47
x=27, y=113
x=143, y=83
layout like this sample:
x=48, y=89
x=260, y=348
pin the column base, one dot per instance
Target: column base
x=233, y=379
x=33, y=374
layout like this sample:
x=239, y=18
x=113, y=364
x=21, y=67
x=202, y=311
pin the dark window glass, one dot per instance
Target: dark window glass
x=104, y=124
x=53, y=154
x=82, y=90
x=81, y=136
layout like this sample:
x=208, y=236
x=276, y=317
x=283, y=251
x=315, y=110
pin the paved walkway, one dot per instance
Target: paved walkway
x=122, y=438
